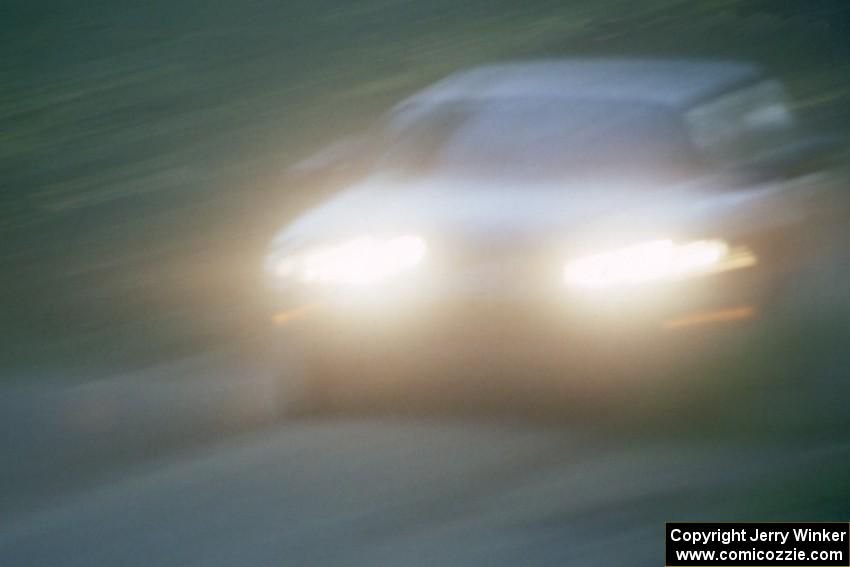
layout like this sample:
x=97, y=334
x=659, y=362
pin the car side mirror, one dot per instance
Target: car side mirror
x=335, y=158
x=804, y=157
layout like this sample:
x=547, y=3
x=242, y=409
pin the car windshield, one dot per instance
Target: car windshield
x=543, y=139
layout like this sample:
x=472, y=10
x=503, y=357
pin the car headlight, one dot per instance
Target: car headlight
x=358, y=262
x=653, y=261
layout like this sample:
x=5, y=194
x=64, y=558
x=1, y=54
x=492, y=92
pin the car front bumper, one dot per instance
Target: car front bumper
x=445, y=330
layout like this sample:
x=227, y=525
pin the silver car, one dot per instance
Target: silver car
x=584, y=223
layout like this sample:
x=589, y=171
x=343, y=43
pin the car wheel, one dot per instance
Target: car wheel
x=304, y=384
x=821, y=286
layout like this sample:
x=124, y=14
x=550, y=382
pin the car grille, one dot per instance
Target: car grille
x=498, y=264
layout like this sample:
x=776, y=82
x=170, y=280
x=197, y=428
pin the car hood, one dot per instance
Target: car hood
x=498, y=209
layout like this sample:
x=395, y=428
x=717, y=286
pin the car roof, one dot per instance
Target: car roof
x=677, y=83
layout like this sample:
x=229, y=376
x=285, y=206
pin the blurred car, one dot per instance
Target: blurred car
x=591, y=218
